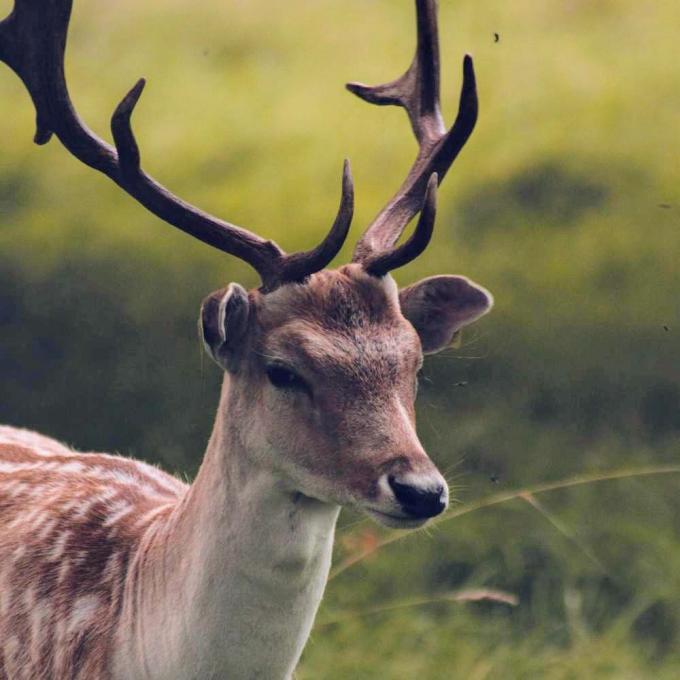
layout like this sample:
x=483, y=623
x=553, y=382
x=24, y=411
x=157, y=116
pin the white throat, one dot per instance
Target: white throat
x=230, y=586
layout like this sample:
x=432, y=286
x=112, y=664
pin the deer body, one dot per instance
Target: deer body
x=113, y=570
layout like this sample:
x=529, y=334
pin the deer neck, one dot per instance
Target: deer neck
x=230, y=585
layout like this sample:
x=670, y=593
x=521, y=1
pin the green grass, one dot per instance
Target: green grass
x=582, y=613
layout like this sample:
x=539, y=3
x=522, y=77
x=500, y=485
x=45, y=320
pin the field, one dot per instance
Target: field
x=557, y=419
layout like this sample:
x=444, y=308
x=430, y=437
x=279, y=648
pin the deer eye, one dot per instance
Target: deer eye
x=284, y=378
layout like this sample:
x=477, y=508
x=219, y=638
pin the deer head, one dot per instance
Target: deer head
x=320, y=364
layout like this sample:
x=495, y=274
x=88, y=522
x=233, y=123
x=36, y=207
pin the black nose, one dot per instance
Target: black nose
x=418, y=501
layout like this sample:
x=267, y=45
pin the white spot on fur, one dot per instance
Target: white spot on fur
x=11, y=649
x=112, y=568
x=84, y=508
x=64, y=569
x=5, y=594
x=39, y=614
x=9, y=467
x=71, y=505
x=59, y=547
x=13, y=489
x=72, y=467
x=19, y=552
x=87, y=505
x=46, y=529
x=25, y=518
x=83, y=610
x=118, y=511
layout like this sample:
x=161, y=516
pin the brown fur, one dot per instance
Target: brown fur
x=69, y=526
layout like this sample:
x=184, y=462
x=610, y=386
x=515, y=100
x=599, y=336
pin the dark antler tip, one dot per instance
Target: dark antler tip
x=347, y=201
x=123, y=137
x=129, y=101
x=347, y=180
x=132, y=97
x=42, y=136
x=356, y=88
x=468, y=68
x=372, y=95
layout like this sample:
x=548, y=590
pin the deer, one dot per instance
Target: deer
x=111, y=569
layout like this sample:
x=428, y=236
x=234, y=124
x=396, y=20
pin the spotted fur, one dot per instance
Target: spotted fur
x=70, y=524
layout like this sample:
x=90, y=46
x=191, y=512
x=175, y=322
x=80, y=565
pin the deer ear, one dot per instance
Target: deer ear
x=223, y=323
x=440, y=306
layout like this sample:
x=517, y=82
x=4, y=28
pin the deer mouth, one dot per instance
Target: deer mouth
x=395, y=521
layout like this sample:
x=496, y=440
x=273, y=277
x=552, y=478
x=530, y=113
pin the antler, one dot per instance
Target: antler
x=32, y=43
x=417, y=91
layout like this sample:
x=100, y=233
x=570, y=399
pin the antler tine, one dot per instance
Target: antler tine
x=382, y=263
x=32, y=43
x=298, y=266
x=417, y=91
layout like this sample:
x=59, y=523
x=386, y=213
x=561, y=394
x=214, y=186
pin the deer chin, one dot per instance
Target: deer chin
x=394, y=520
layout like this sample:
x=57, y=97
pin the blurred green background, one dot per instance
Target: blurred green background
x=565, y=204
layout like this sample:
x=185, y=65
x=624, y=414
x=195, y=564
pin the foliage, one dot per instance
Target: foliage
x=564, y=204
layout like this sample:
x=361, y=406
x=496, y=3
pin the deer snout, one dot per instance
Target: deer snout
x=408, y=499
x=417, y=495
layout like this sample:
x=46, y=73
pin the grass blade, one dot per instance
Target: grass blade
x=505, y=497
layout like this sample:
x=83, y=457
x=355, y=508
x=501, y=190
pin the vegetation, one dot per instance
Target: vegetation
x=565, y=204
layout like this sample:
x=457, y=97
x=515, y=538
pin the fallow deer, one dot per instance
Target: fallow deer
x=110, y=568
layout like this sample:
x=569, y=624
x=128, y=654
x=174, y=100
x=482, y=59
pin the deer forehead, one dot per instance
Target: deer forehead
x=340, y=320
x=343, y=297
